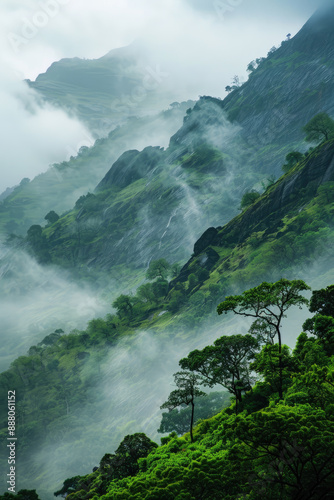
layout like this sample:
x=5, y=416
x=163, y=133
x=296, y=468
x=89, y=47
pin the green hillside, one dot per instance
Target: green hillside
x=62, y=184
x=166, y=235
x=62, y=372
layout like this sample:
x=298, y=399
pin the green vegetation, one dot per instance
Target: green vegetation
x=268, y=304
x=248, y=199
x=291, y=160
x=186, y=393
x=207, y=406
x=320, y=128
x=275, y=447
x=225, y=363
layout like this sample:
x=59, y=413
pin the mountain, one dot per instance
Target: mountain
x=286, y=230
x=86, y=389
x=287, y=89
x=104, y=92
x=62, y=184
x=250, y=132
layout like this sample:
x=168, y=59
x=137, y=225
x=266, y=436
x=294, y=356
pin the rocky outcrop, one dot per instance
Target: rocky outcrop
x=210, y=237
x=130, y=167
x=267, y=212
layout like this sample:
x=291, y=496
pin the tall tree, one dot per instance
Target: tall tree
x=268, y=303
x=124, y=306
x=225, y=363
x=185, y=394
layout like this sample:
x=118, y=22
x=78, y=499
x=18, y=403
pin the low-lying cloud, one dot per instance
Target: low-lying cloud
x=33, y=134
x=37, y=300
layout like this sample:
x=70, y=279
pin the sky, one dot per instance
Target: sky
x=199, y=44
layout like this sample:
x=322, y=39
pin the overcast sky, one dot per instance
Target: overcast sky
x=201, y=44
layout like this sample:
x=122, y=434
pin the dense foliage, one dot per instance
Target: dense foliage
x=275, y=448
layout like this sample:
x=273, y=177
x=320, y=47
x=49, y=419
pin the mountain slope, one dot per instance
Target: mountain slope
x=288, y=88
x=283, y=232
x=104, y=92
x=156, y=202
x=287, y=230
x=62, y=184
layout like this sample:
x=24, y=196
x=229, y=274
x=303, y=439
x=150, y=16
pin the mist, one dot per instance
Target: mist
x=39, y=33
x=37, y=300
x=131, y=382
x=33, y=134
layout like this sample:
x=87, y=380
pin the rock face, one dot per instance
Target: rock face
x=207, y=238
x=130, y=167
x=291, y=86
x=267, y=212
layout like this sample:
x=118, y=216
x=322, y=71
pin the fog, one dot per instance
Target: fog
x=36, y=300
x=199, y=54
x=33, y=135
x=200, y=48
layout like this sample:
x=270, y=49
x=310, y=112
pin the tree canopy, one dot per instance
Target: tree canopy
x=158, y=269
x=319, y=128
x=268, y=303
x=185, y=394
x=225, y=363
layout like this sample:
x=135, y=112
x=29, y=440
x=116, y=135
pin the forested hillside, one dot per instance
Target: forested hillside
x=206, y=255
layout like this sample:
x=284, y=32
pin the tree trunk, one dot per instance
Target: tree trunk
x=280, y=382
x=192, y=421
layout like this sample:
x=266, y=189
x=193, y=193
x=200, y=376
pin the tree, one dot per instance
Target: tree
x=225, y=363
x=248, y=199
x=236, y=81
x=205, y=407
x=158, y=269
x=145, y=293
x=159, y=288
x=268, y=303
x=38, y=243
x=185, y=394
x=253, y=65
x=291, y=160
x=34, y=234
x=266, y=363
x=322, y=301
x=51, y=217
x=21, y=495
x=290, y=451
x=319, y=129
x=124, y=306
x=322, y=323
x=272, y=50
x=133, y=447
x=175, y=269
